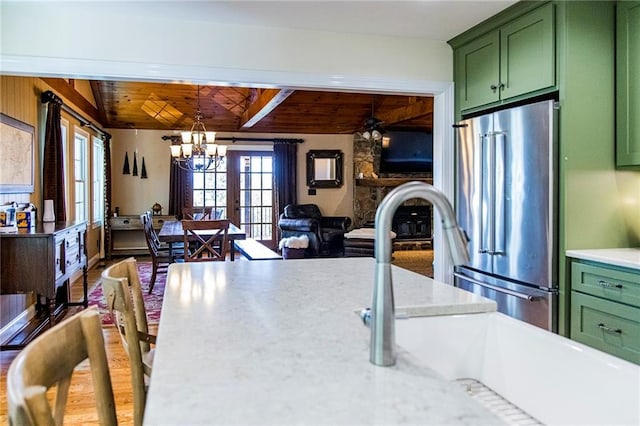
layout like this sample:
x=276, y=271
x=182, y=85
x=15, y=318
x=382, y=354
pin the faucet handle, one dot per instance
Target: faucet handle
x=365, y=316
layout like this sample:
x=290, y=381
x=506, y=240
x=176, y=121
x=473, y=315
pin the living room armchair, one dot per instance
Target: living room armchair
x=326, y=233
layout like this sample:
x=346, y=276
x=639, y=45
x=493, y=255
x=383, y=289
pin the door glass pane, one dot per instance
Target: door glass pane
x=255, y=194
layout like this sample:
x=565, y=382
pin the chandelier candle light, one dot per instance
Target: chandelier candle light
x=198, y=150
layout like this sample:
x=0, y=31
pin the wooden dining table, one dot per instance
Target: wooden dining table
x=172, y=232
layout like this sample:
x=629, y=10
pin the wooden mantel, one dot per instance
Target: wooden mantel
x=385, y=182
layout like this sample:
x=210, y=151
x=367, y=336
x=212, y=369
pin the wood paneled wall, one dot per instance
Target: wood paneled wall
x=20, y=99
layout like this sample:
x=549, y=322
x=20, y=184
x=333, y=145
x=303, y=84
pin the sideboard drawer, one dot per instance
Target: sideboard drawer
x=608, y=283
x=611, y=327
x=125, y=222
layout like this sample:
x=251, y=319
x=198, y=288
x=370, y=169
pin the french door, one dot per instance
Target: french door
x=241, y=190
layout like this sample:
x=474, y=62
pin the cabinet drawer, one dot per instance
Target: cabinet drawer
x=608, y=283
x=125, y=222
x=605, y=325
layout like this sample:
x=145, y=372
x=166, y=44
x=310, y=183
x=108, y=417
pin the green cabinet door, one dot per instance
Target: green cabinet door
x=628, y=83
x=477, y=71
x=508, y=63
x=527, y=53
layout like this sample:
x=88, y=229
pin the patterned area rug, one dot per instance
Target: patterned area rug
x=152, y=302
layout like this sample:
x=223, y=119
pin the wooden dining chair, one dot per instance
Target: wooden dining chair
x=176, y=248
x=123, y=296
x=189, y=213
x=49, y=361
x=211, y=237
x=160, y=259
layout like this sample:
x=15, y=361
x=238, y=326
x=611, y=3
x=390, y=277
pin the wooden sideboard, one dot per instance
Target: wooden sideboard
x=42, y=260
x=127, y=234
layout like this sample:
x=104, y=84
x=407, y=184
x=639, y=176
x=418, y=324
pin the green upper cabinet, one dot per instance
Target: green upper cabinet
x=527, y=53
x=478, y=75
x=516, y=59
x=628, y=83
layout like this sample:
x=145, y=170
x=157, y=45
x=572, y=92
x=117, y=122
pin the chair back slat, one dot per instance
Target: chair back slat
x=211, y=237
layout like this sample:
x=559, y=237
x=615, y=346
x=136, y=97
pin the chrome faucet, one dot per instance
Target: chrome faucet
x=382, y=319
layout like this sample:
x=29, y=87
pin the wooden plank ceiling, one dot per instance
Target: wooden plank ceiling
x=171, y=106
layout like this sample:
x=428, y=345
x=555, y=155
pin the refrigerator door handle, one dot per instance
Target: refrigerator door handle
x=485, y=188
x=491, y=192
x=492, y=287
x=500, y=142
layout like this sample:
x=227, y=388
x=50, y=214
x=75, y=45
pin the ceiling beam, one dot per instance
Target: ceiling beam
x=267, y=101
x=65, y=90
x=97, y=95
x=414, y=110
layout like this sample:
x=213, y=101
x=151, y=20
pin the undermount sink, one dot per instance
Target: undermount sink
x=551, y=378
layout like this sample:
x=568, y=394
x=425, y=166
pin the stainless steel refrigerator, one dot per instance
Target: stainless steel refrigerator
x=506, y=203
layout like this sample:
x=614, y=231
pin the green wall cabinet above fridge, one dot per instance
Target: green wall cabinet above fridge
x=628, y=83
x=513, y=60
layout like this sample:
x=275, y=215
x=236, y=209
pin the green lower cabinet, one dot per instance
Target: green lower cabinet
x=611, y=327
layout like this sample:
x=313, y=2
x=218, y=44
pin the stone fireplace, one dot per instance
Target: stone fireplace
x=371, y=188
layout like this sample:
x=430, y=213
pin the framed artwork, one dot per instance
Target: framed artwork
x=17, y=153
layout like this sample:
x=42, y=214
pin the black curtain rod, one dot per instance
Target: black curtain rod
x=49, y=96
x=233, y=139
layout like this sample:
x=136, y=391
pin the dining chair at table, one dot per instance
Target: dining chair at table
x=123, y=296
x=160, y=258
x=49, y=361
x=190, y=213
x=211, y=237
x=148, y=221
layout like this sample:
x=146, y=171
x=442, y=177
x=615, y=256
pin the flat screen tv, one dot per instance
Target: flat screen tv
x=407, y=152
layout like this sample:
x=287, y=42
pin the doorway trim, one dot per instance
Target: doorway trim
x=443, y=175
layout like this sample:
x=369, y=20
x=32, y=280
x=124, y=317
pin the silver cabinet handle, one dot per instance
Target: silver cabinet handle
x=609, y=329
x=605, y=284
x=498, y=289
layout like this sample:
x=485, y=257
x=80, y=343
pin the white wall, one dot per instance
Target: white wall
x=332, y=201
x=118, y=39
x=135, y=195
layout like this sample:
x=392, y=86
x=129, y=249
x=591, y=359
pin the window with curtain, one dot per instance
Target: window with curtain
x=97, y=189
x=80, y=174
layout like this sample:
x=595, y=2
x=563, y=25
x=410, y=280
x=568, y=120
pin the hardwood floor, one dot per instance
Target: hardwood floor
x=81, y=402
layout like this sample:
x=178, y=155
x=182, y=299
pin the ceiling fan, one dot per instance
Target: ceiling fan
x=373, y=128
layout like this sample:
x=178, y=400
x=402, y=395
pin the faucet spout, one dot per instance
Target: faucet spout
x=383, y=308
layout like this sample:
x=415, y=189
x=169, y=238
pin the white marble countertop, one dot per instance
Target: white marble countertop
x=625, y=257
x=278, y=342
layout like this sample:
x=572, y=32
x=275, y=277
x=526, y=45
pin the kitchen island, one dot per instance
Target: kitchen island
x=279, y=342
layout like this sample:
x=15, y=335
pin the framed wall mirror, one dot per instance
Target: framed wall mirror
x=324, y=168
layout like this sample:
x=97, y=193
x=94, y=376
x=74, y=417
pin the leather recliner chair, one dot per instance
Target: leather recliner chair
x=326, y=233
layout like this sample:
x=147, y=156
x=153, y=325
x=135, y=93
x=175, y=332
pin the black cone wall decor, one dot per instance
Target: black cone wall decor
x=143, y=172
x=135, y=164
x=125, y=167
